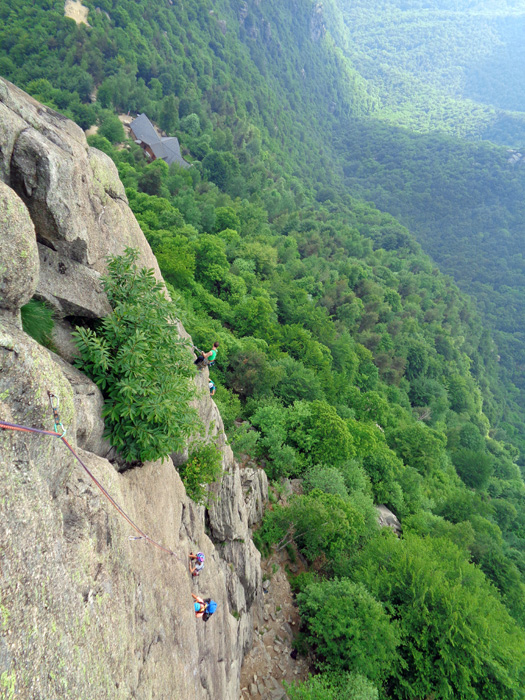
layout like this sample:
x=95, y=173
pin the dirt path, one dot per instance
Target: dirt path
x=269, y=661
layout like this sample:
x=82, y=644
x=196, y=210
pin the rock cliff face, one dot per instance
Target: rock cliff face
x=86, y=612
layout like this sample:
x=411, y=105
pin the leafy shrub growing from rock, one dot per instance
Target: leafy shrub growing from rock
x=141, y=365
x=202, y=468
x=274, y=528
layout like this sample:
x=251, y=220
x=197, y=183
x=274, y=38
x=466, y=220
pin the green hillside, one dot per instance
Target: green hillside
x=346, y=357
x=464, y=204
x=437, y=66
x=461, y=201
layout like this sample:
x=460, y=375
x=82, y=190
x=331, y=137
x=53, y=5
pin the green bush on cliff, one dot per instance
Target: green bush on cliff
x=140, y=363
x=203, y=467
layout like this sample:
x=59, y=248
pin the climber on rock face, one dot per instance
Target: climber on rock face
x=199, y=559
x=204, y=608
x=206, y=358
x=212, y=387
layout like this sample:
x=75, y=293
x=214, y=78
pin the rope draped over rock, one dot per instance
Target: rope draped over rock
x=53, y=400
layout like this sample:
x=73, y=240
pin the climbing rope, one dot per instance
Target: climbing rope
x=54, y=402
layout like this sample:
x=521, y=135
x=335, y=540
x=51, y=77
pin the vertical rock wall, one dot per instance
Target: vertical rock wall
x=86, y=612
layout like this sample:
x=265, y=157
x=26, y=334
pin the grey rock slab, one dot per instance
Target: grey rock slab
x=27, y=373
x=70, y=288
x=255, y=488
x=73, y=192
x=386, y=518
x=62, y=339
x=50, y=181
x=19, y=263
x=88, y=402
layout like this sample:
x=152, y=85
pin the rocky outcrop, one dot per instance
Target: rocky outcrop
x=74, y=197
x=70, y=288
x=317, y=25
x=255, y=488
x=386, y=518
x=86, y=611
x=19, y=266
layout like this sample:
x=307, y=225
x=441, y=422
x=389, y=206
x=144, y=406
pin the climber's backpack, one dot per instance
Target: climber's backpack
x=211, y=607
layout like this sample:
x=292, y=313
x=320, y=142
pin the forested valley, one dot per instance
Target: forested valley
x=347, y=358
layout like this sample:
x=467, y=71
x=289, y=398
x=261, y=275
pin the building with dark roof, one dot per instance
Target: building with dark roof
x=165, y=147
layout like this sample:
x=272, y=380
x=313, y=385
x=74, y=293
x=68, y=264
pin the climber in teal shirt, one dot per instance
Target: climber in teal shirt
x=207, y=358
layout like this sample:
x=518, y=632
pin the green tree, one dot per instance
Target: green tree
x=176, y=260
x=255, y=316
x=203, y=467
x=322, y=435
x=191, y=124
x=329, y=686
x=349, y=629
x=226, y=218
x=457, y=639
x=474, y=468
x=111, y=128
x=211, y=263
x=151, y=179
x=419, y=446
x=220, y=168
x=327, y=525
x=326, y=479
x=169, y=114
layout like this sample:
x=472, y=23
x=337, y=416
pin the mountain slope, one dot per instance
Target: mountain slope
x=346, y=358
x=449, y=67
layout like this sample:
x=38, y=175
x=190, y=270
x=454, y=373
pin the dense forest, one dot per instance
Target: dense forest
x=445, y=70
x=346, y=357
x=453, y=67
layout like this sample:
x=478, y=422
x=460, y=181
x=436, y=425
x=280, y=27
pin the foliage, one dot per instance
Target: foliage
x=203, y=467
x=37, y=321
x=327, y=686
x=349, y=630
x=473, y=467
x=272, y=530
x=323, y=523
x=140, y=363
x=326, y=479
x=301, y=581
x=111, y=128
x=229, y=406
x=243, y=440
x=329, y=525
x=444, y=604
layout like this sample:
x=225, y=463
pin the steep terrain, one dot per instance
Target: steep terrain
x=291, y=100
x=347, y=359
x=452, y=67
x=86, y=611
